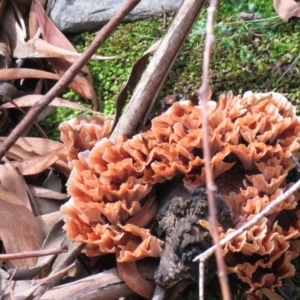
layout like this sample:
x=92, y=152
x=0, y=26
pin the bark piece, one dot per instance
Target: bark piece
x=184, y=238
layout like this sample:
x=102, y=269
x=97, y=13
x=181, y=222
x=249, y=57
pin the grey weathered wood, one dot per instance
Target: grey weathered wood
x=83, y=15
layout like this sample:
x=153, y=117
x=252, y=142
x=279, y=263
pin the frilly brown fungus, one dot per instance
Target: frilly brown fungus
x=251, y=139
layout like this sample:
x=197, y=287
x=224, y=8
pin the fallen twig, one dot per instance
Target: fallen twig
x=105, y=285
x=68, y=77
x=266, y=211
x=38, y=253
x=203, y=95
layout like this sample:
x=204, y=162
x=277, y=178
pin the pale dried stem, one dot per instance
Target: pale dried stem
x=27, y=254
x=201, y=279
x=203, y=95
x=265, y=212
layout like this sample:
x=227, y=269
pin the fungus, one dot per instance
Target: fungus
x=251, y=140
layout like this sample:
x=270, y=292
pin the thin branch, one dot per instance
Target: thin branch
x=68, y=77
x=159, y=293
x=203, y=95
x=27, y=254
x=265, y=212
x=201, y=279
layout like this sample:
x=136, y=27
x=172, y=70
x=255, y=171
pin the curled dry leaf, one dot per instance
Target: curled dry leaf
x=33, y=25
x=30, y=100
x=12, y=181
x=11, y=74
x=286, y=9
x=134, y=77
x=83, y=82
x=39, y=163
x=132, y=277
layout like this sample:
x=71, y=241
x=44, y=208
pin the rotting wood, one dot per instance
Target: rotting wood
x=178, y=223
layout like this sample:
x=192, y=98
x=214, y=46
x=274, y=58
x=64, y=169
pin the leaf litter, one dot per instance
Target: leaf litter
x=30, y=220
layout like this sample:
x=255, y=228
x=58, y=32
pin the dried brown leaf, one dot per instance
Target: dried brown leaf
x=132, y=277
x=134, y=77
x=287, y=9
x=19, y=229
x=37, y=154
x=33, y=22
x=26, y=147
x=11, y=181
x=11, y=74
x=83, y=82
x=30, y=100
x=38, y=164
x=47, y=221
x=54, y=239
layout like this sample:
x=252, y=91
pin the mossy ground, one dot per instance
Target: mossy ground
x=248, y=55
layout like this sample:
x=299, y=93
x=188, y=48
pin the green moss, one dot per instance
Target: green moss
x=253, y=58
x=129, y=41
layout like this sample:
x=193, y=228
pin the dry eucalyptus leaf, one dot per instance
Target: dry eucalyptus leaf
x=36, y=146
x=47, y=221
x=83, y=82
x=19, y=229
x=54, y=239
x=17, y=152
x=11, y=181
x=134, y=77
x=30, y=100
x=287, y=9
x=39, y=163
x=132, y=277
x=33, y=23
x=12, y=74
